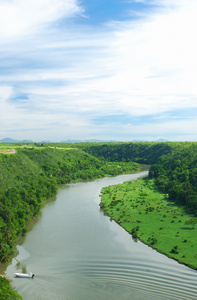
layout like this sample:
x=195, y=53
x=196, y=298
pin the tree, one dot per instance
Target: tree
x=191, y=222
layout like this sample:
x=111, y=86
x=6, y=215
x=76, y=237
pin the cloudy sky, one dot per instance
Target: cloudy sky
x=98, y=69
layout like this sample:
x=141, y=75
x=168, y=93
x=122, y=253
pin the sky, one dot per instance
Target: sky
x=118, y=70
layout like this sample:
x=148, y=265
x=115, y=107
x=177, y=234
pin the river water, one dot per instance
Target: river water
x=77, y=253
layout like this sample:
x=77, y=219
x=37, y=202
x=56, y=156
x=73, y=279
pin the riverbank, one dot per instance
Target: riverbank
x=150, y=217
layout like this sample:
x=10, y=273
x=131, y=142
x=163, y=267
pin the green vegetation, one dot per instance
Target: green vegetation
x=149, y=216
x=6, y=291
x=32, y=175
x=191, y=222
x=142, y=153
x=173, y=165
x=175, y=173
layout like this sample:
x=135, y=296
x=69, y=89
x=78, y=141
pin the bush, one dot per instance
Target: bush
x=152, y=241
x=174, y=250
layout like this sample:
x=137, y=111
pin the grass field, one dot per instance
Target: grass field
x=8, y=148
x=149, y=216
x=12, y=148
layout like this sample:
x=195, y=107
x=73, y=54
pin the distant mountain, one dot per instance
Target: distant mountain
x=8, y=140
x=89, y=141
x=144, y=141
x=161, y=141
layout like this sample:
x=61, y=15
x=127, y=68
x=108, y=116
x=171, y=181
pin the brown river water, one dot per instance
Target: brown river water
x=77, y=253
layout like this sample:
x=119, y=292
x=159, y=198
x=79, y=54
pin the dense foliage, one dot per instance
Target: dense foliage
x=23, y=186
x=143, y=153
x=6, y=291
x=176, y=174
x=32, y=175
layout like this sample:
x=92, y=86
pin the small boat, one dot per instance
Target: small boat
x=23, y=275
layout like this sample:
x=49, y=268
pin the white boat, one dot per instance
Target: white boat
x=23, y=275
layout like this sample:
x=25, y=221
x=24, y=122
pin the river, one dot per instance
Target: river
x=77, y=253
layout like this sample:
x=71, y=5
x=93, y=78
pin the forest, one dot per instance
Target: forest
x=176, y=174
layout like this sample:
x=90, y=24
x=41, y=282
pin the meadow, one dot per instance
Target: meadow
x=150, y=216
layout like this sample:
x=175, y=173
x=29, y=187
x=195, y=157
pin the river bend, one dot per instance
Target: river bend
x=77, y=253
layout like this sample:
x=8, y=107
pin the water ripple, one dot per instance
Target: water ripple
x=161, y=281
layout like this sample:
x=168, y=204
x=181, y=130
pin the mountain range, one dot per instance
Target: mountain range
x=9, y=140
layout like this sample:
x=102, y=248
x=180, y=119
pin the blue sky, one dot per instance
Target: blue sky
x=116, y=69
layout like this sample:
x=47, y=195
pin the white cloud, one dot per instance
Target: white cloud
x=139, y=68
x=8, y=111
x=19, y=17
x=156, y=58
x=5, y=93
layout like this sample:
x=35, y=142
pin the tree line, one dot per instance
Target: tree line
x=175, y=174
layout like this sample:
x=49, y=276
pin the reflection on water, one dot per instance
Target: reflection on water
x=77, y=253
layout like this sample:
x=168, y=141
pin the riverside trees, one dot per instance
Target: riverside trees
x=176, y=174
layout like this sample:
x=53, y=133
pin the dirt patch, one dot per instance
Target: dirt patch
x=8, y=151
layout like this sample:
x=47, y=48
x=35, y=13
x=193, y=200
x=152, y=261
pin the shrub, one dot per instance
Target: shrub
x=174, y=250
x=152, y=241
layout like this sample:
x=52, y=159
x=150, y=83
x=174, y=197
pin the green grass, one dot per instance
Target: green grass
x=7, y=148
x=149, y=216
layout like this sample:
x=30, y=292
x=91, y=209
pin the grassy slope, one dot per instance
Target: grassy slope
x=149, y=216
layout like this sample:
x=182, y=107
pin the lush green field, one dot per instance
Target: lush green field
x=8, y=148
x=149, y=216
